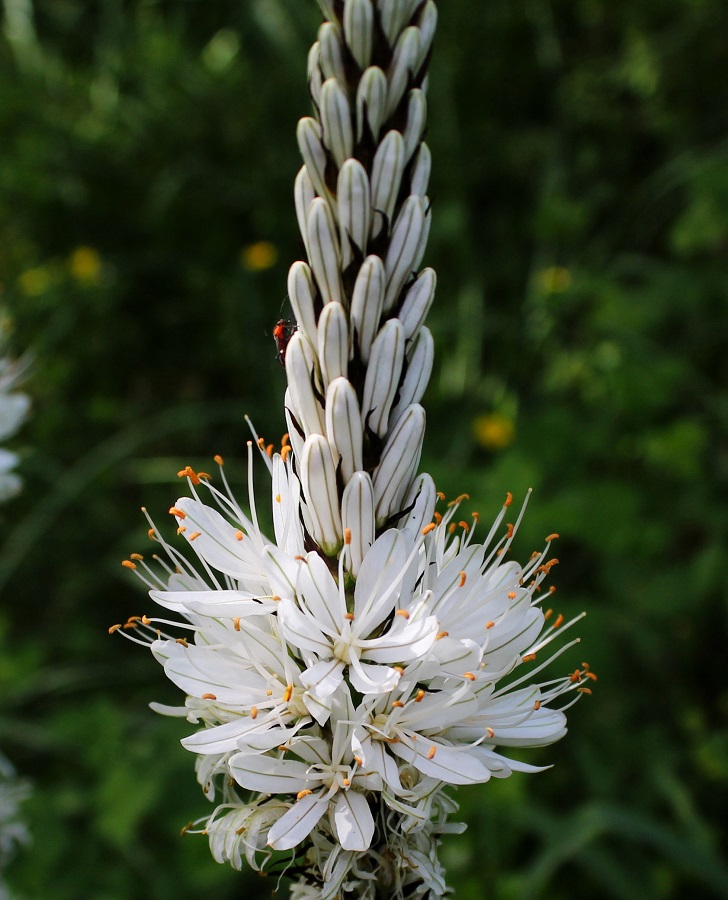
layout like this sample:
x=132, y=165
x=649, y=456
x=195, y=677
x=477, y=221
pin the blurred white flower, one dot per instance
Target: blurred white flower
x=14, y=408
x=13, y=831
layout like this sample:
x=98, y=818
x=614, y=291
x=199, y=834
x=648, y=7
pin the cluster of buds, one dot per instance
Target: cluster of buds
x=346, y=672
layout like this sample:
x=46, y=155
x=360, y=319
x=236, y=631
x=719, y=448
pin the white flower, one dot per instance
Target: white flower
x=14, y=407
x=373, y=651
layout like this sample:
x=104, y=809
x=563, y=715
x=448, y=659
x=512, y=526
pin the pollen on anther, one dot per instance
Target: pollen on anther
x=286, y=439
x=431, y=754
x=547, y=615
x=114, y=628
x=583, y=690
x=301, y=794
x=559, y=621
x=209, y=696
x=347, y=536
x=253, y=712
x=403, y=613
x=358, y=760
x=397, y=704
x=419, y=696
x=529, y=657
x=465, y=526
x=181, y=529
x=349, y=617
x=180, y=513
x=537, y=704
x=345, y=782
x=145, y=620
x=278, y=498
x=236, y=623
x=238, y=535
x=269, y=450
x=128, y=564
x=152, y=534
x=194, y=535
x=509, y=499
x=218, y=459
x=285, y=452
x=136, y=556
x=127, y=626
x=463, y=578
x=469, y=676
x=509, y=532
x=451, y=528
x=440, y=495
x=491, y=733
x=260, y=442
x=512, y=595
x=590, y=675
x=438, y=517
x=551, y=537
x=428, y=528
x=182, y=641
x=442, y=634
x=288, y=693
x=489, y=625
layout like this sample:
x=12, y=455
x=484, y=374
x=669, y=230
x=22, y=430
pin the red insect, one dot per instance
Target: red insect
x=283, y=331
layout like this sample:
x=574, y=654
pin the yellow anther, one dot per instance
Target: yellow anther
x=345, y=782
x=278, y=498
x=288, y=693
x=358, y=760
x=183, y=642
x=286, y=439
x=285, y=451
x=489, y=625
x=145, y=620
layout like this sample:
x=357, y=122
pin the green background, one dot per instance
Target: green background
x=580, y=193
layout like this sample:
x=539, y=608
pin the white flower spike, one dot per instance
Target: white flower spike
x=342, y=674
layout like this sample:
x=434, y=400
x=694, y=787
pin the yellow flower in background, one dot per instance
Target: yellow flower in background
x=34, y=282
x=259, y=256
x=494, y=431
x=84, y=264
x=554, y=280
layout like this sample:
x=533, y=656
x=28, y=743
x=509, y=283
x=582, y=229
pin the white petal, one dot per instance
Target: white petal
x=270, y=775
x=301, y=630
x=324, y=678
x=353, y=821
x=297, y=823
x=372, y=679
x=320, y=592
x=376, y=591
x=449, y=764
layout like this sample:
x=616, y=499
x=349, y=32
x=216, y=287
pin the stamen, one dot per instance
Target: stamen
x=428, y=528
x=218, y=459
x=403, y=613
x=301, y=794
x=431, y=754
x=209, y=697
x=180, y=513
x=463, y=578
x=128, y=564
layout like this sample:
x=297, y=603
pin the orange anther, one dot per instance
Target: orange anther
x=397, y=704
x=451, y=528
x=463, y=579
x=358, y=760
x=180, y=513
x=181, y=529
x=345, y=782
x=301, y=794
x=438, y=517
x=431, y=754
x=300, y=558
x=547, y=615
x=278, y=498
x=398, y=669
x=489, y=625
x=509, y=499
x=209, y=697
x=559, y=621
x=583, y=690
x=552, y=537
x=275, y=598
x=133, y=619
x=591, y=675
x=440, y=495
x=552, y=589
x=152, y=534
x=260, y=442
x=428, y=528
x=537, y=704
x=204, y=475
x=288, y=693
x=285, y=451
x=189, y=472
x=253, y=712
x=145, y=620
x=218, y=459
x=469, y=676
x=476, y=516
x=183, y=642
x=136, y=556
x=419, y=696
x=509, y=532
x=269, y=450
x=464, y=525
x=403, y=613
x=529, y=657
x=349, y=617
x=347, y=536
x=195, y=535
x=128, y=564
x=285, y=440
x=442, y=634
x=491, y=733
x=238, y=535
x=114, y=628
x=512, y=595
x=236, y=623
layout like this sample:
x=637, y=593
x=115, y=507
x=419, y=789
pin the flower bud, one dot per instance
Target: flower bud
x=419, y=368
x=357, y=514
x=403, y=248
x=398, y=464
x=382, y=378
x=324, y=252
x=404, y=65
x=333, y=342
x=359, y=30
x=302, y=373
x=416, y=117
x=308, y=135
x=332, y=60
x=366, y=303
x=371, y=100
x=315, y=79
x=420, y=177
x=318, y=479
x=336, y=121
x=387, y=171
x=301, y=293
x=417, y=302
x=303, y=192
x=354, y=209
x=343, y=426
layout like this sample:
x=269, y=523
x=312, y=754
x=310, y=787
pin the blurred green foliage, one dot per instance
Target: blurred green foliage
x=581, y=227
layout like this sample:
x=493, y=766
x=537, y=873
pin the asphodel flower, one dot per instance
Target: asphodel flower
x=14, y=407
x=375, y=649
